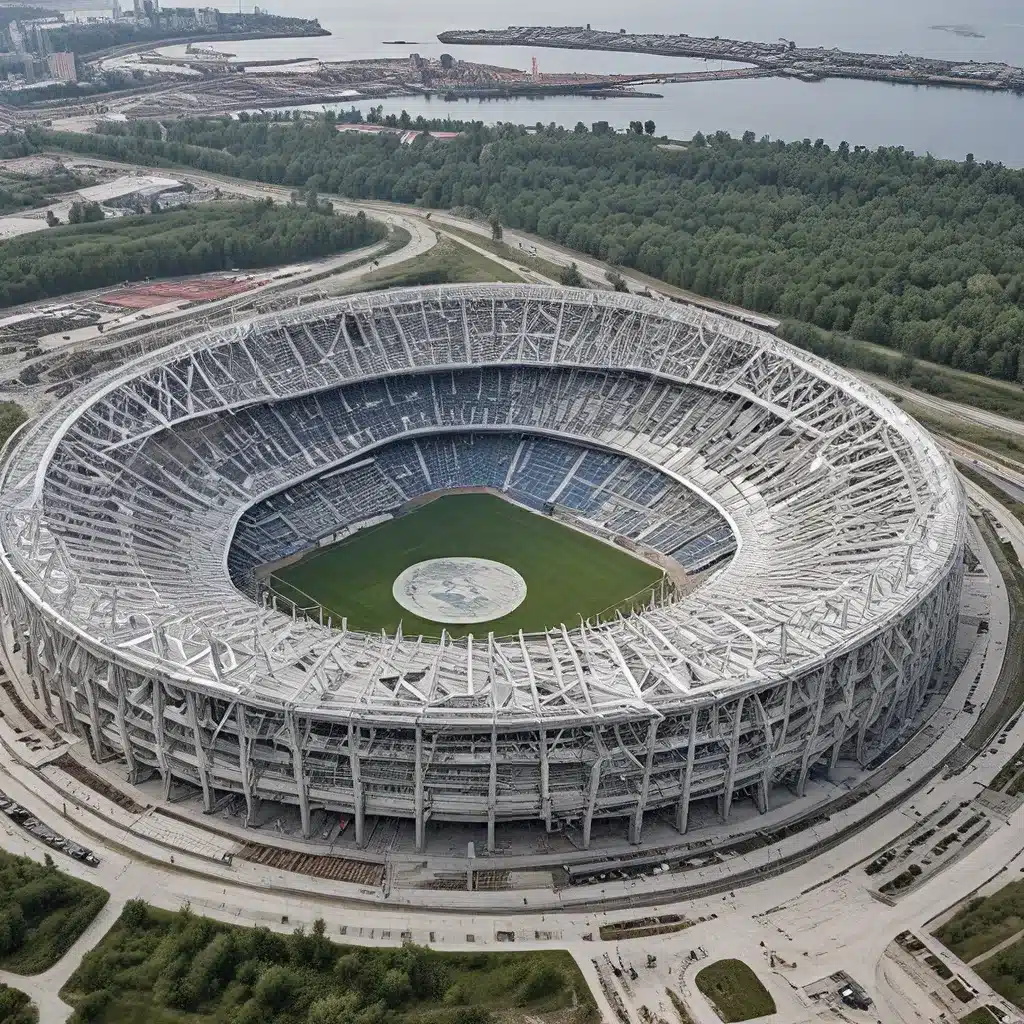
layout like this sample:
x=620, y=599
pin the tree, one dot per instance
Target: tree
x=496, y=229
x=616, y=280
x=636, y=127
x=276, y=988
x=571, y=277
x=338, y=1008
x=135, y=914
x=650, y=127
x=16, y=1007
x=52, y=220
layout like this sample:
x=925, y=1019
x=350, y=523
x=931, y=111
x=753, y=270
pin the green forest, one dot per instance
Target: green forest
x=194, y=240
x=16, y=1007
x=162, y=967
x=42, y=913
x=924, y=256
x=23, y=191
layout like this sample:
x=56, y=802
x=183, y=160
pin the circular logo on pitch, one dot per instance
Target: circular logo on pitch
x=459, y=591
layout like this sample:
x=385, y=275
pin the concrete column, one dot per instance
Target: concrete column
x=866, y=721
x=637, y=822
x=683, y=807
x=298, y=770
x=357, y=786
x=734, y=753
x=245, y=764
x=492, y=790
x=197, y=738
x=119, y=689
x=159, y=702
x=761, y=794
x=418, y=783
x=811, y=741
x=94, y=720
x=595, y=782
x=545, y=781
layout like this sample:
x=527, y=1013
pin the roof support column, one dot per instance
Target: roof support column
x=683, y=807
x=850, y=689
x=58, y=676
x=734, y=754
x=159, y=702
x=197, y=738
x=776, y=742
x=119, y=689
x=298, y=770
x=418, y=782
x=868, y=719
x=492, y=790
x=595, y=783
x=357, y=785
x=811, y=740
x=637, y=823
x=245, y=764
x=545, y=781
x=94, y=719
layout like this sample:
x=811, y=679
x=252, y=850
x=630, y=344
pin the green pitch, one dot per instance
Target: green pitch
x=567, y=573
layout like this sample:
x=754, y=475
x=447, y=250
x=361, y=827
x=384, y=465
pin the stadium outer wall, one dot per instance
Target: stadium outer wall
x=851, y=704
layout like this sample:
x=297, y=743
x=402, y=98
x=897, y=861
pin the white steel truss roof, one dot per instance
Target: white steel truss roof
x=846, y=513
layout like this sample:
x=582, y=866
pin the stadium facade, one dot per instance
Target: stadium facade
x=824, y=527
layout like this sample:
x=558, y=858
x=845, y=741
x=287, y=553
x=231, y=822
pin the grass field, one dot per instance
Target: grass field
x=567, y=573
x=982, y=1015
x=984, y=922
x=446, y=263
x=735, y=991
x=1004, y=971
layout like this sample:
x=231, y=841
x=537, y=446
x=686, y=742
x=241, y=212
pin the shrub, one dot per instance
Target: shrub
x=542, y=981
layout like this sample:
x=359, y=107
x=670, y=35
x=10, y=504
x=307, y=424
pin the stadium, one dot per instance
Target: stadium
x=724, y=564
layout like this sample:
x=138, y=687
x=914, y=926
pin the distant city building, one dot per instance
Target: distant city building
x=62, y=66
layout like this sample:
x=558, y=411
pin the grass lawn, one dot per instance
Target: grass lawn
x=982, y=1015
x=446, y=263
x=984, y=922
x=1004, y=971
x=567, y=573
x=734, y=990
x=508, y=252
x=156, y=967
x=42, y=912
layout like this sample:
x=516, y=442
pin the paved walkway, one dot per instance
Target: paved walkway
x=998, y=948
x=44, y=988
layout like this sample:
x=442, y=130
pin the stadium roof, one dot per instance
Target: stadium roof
x=846, y=513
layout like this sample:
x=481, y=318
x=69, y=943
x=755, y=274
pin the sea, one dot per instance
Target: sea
x=948, y=123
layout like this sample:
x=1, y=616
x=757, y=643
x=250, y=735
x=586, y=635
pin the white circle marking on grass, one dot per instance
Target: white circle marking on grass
x=458, y=591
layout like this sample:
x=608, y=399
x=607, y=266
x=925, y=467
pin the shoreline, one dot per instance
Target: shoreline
x=219, y=37
x=782, y=59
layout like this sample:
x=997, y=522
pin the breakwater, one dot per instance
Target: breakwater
x=782, y=58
